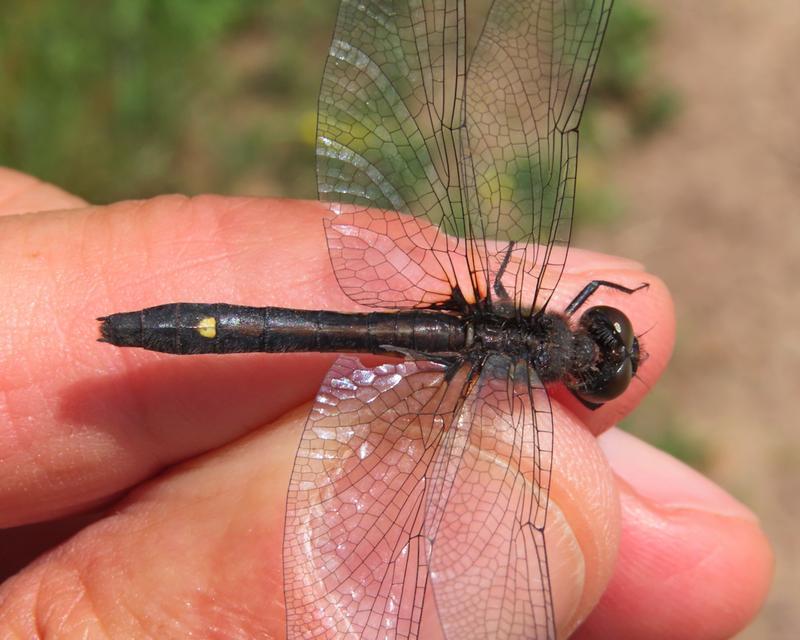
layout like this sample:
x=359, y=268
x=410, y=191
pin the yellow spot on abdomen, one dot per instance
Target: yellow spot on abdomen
x=207, y=327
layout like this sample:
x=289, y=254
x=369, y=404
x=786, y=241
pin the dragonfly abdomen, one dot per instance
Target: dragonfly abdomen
x=187, y=328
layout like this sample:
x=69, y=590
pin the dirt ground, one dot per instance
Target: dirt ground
x=714, y=209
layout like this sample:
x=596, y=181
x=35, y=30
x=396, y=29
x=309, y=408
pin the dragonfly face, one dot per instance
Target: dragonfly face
x=450, y=175
x=617, y=359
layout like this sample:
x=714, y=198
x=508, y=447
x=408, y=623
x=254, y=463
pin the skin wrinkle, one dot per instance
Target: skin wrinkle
x=102, y=220
x=42, y=614
x=62, y=333
x=190, y=208
x=99, y=565
x=80, y=597
x=156, y=242
x=139, y=619
x=146, y=238
x=38, y=619
x=109, y=232
x=231, y=619
x=85, y=255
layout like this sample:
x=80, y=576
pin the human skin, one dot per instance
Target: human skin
x=142, y=494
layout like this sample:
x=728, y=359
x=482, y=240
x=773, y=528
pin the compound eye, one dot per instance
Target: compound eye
x=607, y=385
x=604, y=322
x=613, y=333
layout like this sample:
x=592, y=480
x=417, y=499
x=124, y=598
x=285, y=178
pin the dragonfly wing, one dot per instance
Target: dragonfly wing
x=442, y=177
x=356, y=546
x=527, y=85
x=389, y=133
x=489, y=566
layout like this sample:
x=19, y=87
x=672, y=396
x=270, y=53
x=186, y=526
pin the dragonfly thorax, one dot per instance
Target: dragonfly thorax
x=545, y=340
x=595, y=359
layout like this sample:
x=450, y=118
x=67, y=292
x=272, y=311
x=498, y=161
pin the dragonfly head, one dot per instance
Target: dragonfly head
x=617, y=360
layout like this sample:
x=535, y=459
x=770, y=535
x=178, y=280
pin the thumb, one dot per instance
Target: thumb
x=200, y=547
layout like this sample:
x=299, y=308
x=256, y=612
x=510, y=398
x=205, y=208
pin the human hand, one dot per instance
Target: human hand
x=203, y=447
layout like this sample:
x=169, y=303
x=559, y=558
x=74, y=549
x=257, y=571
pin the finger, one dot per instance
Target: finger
x=82, y=421
x=213, y=530
x=85, y=420
x=693, y=562
x=21, y=193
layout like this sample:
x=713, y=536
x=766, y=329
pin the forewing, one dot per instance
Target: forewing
x=389, y=139
x=488, y=566
x=441, y=178
x=527, y=84
x=355, y=543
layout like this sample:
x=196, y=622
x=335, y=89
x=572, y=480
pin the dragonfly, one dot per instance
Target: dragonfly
x=449, y=171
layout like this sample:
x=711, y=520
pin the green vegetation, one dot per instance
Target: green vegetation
x=625, y=69
x=628, y=103
x=129, y=98
x=132, y=98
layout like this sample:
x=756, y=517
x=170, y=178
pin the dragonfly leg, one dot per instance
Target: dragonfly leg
x=593, y=286
x=456, y=302
x=410, y=354
x=500, y=290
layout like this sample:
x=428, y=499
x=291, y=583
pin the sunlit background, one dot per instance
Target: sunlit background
x=690, y=163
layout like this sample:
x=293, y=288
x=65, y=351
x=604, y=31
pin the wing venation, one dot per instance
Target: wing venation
x=405, y=476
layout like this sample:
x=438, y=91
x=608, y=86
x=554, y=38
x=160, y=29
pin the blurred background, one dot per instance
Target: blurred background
x=690, y=163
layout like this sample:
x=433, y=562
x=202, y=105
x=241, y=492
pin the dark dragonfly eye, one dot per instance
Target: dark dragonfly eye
x=612, y=332
x=609, y=325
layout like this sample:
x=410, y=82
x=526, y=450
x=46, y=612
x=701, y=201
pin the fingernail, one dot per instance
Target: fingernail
x=567, y=567
x=657, y=476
